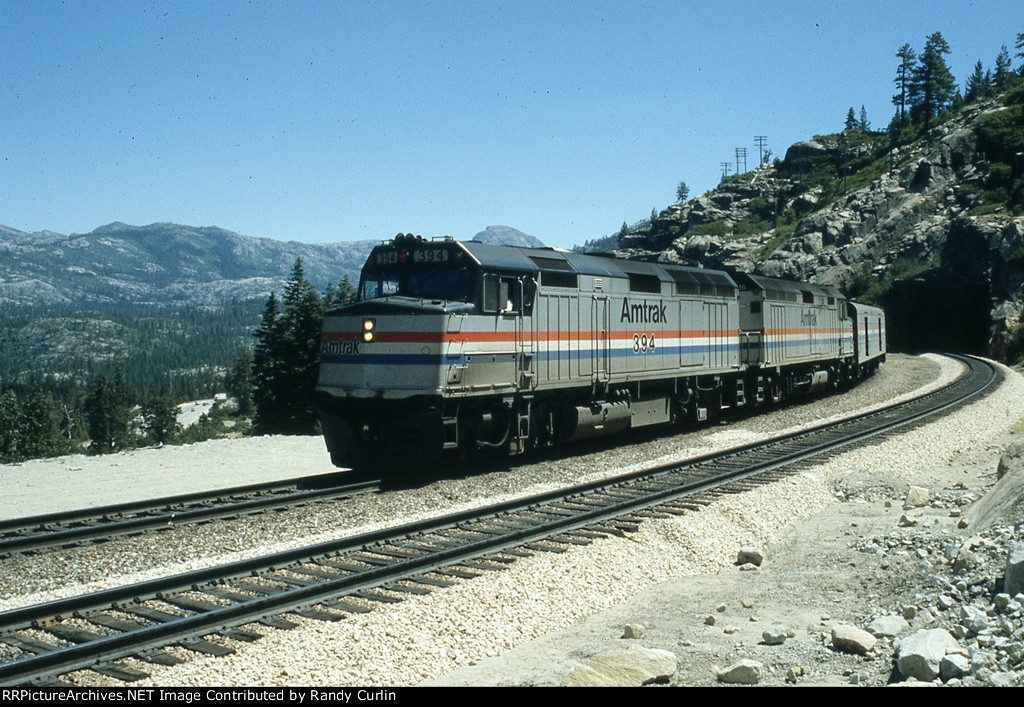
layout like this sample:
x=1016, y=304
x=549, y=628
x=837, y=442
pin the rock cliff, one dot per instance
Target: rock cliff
x=933, y=229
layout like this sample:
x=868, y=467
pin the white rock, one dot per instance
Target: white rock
x=888, y=626
x=775, y=635
x=917, y=496
x=623, y=667
x=919, y=655
x=745, y=672
x=851, y=639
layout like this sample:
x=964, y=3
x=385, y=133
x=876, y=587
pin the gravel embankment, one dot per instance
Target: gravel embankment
x=431, y=635
x=77, y=570
x=428, y=636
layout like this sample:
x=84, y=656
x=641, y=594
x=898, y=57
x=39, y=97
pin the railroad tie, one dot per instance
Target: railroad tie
x=314, y=612
x=119, y=672
x=201, y=645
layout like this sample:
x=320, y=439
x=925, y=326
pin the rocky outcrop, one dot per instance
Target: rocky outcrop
x=920, y=213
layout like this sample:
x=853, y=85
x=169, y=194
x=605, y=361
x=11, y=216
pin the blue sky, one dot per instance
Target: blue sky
x=348, y=120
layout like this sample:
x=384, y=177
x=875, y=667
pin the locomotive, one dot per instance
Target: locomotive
x=462, y=349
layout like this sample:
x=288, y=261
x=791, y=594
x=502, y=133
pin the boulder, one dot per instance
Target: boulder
x=851, y=639
x=633, y=631
x=953, y=666
x=1011, y=460
x=920, y=654
x=1013, y=583
x=623, y=667
x=805, y=148
x=775, y=635
x=749, y=555
x=745, y=672
x=917, y=497
x=973, y=619
x=888, y=626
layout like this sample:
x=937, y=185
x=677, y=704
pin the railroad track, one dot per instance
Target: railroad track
x=99, y=524
x=330, y=580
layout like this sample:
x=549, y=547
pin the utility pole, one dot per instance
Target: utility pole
x=741, y=153
x=761, y=141
x=726, y=166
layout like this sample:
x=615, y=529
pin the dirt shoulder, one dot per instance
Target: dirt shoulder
x=846, y=564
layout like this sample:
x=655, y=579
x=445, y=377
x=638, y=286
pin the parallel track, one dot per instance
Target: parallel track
x=330, y=580
x=99, y=524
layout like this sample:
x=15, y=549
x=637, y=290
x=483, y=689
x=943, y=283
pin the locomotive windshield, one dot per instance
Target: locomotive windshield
x=436, y=284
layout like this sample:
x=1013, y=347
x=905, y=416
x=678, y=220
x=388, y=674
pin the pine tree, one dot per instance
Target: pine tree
x=160, y=419
x=40, y=431
x=239, y=382
x=1003, y=68
x=682, y=192
x=10, y=424
x=863, y=123
x=851, y=120
x=347, y=292
x=286, y=359
x=108, y=411
x=977, y=86
x=932, y=87
x=266, y=365
x=907, y=57
x=1019, y=45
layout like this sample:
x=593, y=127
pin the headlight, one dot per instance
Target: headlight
x=368, y=325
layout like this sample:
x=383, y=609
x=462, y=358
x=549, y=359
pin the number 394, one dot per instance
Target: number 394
x=642, y=343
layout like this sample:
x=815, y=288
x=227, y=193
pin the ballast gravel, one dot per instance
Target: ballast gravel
x=70, y=571
x=431, y=635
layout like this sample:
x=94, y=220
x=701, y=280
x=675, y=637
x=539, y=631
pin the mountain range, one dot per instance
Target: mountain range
x=173, y=264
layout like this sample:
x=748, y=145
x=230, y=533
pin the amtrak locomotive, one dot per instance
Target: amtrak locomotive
x=465, y=348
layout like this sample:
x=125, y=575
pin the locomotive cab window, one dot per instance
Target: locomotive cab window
x=434, y=284
x=502, y=293
x=808, y=297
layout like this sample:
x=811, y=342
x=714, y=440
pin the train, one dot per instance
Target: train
x=461, y=349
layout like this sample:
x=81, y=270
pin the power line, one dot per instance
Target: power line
x=762, y=141
x=726, y=166
x=741, y=154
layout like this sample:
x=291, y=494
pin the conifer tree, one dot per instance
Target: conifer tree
x=932, y=86
x=977, y=85
x=907, y=56
x=239, y=382
x=286, y=359
x=108, y=410
x=1003, y=68
x=266, y=365
x=10, y=424
x=682, y=192
x=863, y=123
x=851, y=120
x=160, y=419
x=40, y=431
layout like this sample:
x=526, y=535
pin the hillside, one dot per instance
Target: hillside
x=929, y=225
x=163, y=264
x=171, y=264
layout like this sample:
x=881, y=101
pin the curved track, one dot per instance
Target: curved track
x=330, y=580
